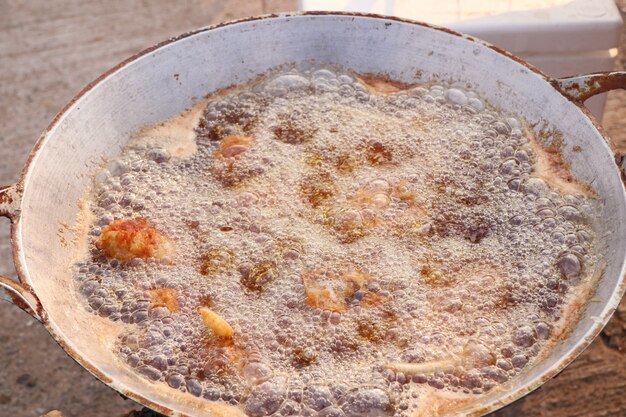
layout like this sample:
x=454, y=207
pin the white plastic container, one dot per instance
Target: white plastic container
x=560, y=37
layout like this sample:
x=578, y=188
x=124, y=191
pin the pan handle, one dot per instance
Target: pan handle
x=10, y=202
x=581, y=87
x=18, y=293
x=22, y=296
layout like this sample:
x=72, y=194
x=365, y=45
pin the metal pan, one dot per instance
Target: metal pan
x=165, y=79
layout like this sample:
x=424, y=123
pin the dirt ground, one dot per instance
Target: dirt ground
x=48, y=52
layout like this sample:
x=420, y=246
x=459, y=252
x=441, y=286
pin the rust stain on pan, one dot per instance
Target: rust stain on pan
x=70, y=351
x=41, y=313
x=9, y=201
x=592, y=85
x=18, y=301
x=5, y=197
x=148, y=403
x=23, y=296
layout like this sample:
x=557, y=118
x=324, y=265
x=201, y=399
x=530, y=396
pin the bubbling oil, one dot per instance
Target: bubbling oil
x=366, y=245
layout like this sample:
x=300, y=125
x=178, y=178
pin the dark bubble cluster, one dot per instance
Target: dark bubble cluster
x=367, y=244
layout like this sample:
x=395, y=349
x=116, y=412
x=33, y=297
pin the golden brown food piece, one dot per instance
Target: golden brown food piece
x=328, y=290
x=228, y=167
x=487, y=284
x=293, y=132
x=355, y=219
x=378, y=154
x=349, y=223
x=219, y=349
x=345, y=163
x=378, y=193
x=313, y=159
x=260, y=276
x=289, y=246
x=317, y=188
x=216, y=323
x=324, y=298
x=421, y=368
x=223, y=356
x=303, y=357
x=371, y=330
x=411, y=224
x=134, y=238
x=362, y=212
x=233, y=145
x=434, y=277
x=227, y=362
x=402, y=191
x=216, y=260
x=164, y=297
x=374, y=326
x=374, y=194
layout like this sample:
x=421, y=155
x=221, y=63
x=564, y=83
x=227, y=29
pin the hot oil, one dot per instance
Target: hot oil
x=365, y=246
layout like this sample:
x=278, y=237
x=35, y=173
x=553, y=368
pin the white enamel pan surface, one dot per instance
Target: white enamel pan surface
x=163, y=80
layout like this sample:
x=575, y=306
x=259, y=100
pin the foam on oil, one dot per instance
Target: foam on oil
x=366, y=248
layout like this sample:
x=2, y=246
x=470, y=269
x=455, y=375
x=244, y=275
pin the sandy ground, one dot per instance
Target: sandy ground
x=48, y=52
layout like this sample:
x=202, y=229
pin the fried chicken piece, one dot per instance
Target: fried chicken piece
x=164, y=297
x=434, y=277
x=317, y=188
x=350, y=223
x=421, y=368
x=488, y=285
x=328, y=290
x=233, y=164
x=134, y=238
x=362, y=212
x=373, y=195
x=216, y=260
x=378, y=154
x=216, y=323
x=293, y=131
x=260, y=276
x=233, y=145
